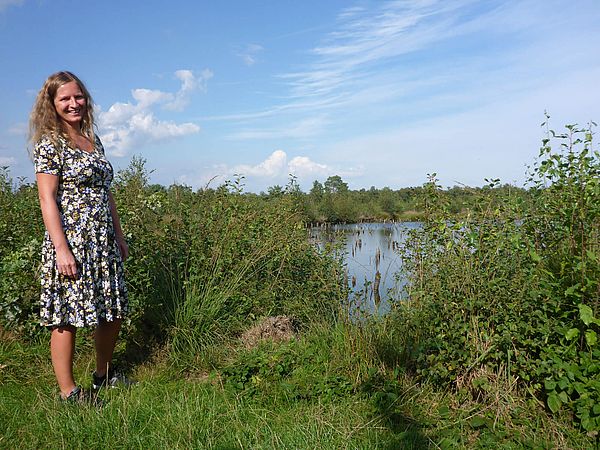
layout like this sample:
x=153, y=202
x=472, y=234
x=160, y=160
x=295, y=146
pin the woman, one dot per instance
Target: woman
x=84, y=248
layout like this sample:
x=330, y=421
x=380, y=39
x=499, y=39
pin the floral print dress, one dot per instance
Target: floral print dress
x=99, y=292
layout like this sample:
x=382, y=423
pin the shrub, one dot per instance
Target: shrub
x=21, y=231
x=514, y=286
x=203, y=265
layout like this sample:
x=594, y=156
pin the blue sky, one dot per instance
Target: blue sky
x=378, y=92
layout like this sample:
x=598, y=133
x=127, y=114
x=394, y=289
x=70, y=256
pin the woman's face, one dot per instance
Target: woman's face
x=70, y=103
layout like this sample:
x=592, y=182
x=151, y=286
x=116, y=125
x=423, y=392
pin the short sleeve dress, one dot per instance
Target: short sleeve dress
x=99, y=293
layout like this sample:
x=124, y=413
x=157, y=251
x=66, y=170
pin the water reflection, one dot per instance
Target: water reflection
x=370, y=253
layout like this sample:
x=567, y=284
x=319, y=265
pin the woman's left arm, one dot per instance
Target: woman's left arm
x=123, y=247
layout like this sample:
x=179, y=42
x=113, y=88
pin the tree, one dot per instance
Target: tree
x=335, y=185
x=317, y=190
x=387, y=202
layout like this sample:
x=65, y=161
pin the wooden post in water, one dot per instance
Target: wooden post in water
x=376, y=295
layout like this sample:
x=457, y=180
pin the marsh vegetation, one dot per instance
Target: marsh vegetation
x=490, y=341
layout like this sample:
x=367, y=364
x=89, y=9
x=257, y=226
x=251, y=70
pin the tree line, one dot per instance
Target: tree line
x=332, y=201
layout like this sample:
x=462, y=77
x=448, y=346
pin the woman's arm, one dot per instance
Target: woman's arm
x=47, y=188
x=123, y=247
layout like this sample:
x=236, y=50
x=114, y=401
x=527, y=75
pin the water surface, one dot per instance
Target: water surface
x=370, y=251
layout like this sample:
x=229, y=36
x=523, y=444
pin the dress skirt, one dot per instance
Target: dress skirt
x=99, y=292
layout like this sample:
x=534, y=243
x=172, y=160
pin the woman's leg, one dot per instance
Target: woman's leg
x=105, y=338
x=62, y=349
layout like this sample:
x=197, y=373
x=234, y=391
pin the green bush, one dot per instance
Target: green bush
x=513, y=287
x=203, y=265
x=21, y=233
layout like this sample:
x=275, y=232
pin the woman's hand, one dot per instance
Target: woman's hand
x=123, y=247
x=66, y=263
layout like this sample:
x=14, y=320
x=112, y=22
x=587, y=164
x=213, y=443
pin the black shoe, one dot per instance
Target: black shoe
x=111, y=379
x=78, y=396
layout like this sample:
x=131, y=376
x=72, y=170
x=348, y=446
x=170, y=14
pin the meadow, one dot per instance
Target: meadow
x=492, y=344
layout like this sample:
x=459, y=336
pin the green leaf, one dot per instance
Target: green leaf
x=563, y=383
x=444, y=411
x=477, y=422
x=549, y=385
x=573, y=290
x=591, y=337
x=563, y=397
x=554, y=402
x=580, y=388
x=587, y=424
x=572, y=334
x=534, y=256
x=586, y=314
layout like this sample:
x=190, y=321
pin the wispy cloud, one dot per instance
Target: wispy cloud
x=366, y=38
x=418, y=58
x=249, y=53
x=351, y=67
x=291, y=107
x=125, y=125
x=302, y=129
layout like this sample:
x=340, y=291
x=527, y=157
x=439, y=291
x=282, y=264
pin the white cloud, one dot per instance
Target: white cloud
x=273, y=166
x=275, y=169
x=249, y=54
x=5, y=4
x=148, y=97
x=189, y=84
x=125, y=125
x=141, y=128
x=304, y=167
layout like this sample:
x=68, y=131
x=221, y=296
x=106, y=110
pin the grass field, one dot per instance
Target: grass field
x=169, y=408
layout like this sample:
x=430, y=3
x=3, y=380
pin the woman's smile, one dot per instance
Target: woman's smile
x=70, y=103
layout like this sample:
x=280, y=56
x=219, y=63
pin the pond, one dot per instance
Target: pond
x=370, y=251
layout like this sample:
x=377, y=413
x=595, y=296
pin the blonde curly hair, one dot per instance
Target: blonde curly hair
x=44, y=121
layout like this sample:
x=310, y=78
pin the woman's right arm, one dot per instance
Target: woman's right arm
x=47, y=189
